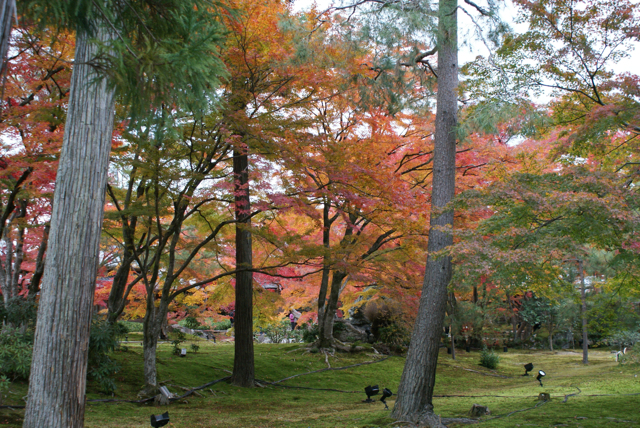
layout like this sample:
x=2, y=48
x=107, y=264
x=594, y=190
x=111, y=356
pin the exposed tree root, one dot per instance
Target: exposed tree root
x=566, y=397
x=333, y=368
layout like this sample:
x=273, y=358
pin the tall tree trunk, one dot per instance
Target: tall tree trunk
x=326, y=262
x=243, y=360
x=7, y=16
x=415, y=392
x=325, y=326
x=583, y=311
x=151, y=331
x=59, y=365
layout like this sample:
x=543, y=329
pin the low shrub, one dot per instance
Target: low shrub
x=279, y=331
x=104, y=338
x=632, y=356
x=178, y=338
x=221, y=325
x=16, y=347
x=4, y=385
x=394, y=335
x=489, y=359
x=132, y=327
x=18, y=311
x=623, y=339
x=190, y=322
x=309, y=332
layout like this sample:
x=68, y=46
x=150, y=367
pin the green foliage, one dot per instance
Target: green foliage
x=310, y=332
x=221, y=325
x=4, y=385
x=623, y=339
x=277, y=332
x=164, y=53
x=132, y=327
x=194, y=347
x=18, y=311
x=632, y=356
x=608, y=314
x=103, y=340
x=489, y=359
x=190, y=322
x=338, y=327
x=394, y=335
x=178, y=338
x=16, y=347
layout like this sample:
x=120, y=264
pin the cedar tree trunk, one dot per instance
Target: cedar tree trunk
x=59, y=365
x=243, y=360
x=7, y=16
x=415, y=392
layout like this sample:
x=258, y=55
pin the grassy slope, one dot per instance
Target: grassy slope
x=224, y=405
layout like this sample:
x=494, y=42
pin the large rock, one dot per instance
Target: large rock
x=478, y=410
x=350, y=333
x=208, y=335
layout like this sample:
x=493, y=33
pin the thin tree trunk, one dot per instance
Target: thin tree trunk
x=415, y=392
x=34, y=285
x=326, y=269
x=243, y=360
x=583, y=298
x=453, y=343
x=118, y=294
x=59, y=365
x=17, y=263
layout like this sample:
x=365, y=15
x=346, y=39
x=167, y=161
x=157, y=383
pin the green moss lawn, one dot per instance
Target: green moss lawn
x=600, y=386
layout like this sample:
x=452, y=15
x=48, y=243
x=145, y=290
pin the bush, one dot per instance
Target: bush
x=623, y=339
x=132, y=327
x=15, y=352
x=279, y=331
x=4, y=385
x=18, y=311
x=309, y=332
x=489, y=359
x=104, y=338
x=632, y=356
x=221, y=325
x=194, y=347
x=190, y=322
x=394, y=335
x=179, y=337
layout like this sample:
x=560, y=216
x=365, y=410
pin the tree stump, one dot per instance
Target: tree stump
x=478, y=410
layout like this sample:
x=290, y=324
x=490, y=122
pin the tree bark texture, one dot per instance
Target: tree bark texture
x=583, y=313
x=415, y=392
x=7, y=16
x=243, y=360
x=325, y=326
x=59, y=366
x=326, y=263
x=151, y=332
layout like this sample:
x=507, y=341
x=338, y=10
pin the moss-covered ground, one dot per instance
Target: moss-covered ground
x=601, y=388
